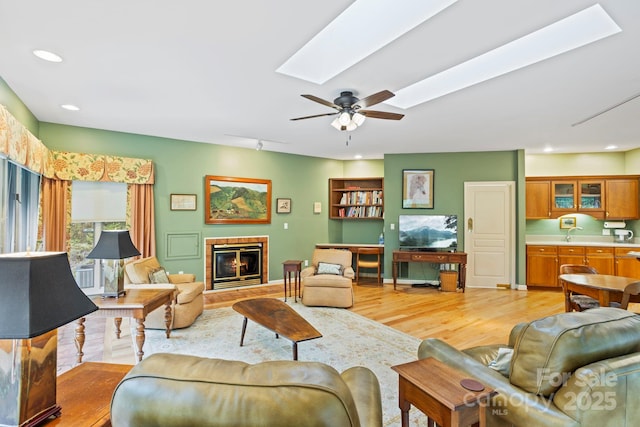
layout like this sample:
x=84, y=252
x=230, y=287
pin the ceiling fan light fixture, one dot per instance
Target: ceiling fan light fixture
x=344, y=118
x=336, y=123
x=351, y=126
x=358, y=119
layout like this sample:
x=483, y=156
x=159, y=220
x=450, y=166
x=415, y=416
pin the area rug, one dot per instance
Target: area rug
x=348, y=339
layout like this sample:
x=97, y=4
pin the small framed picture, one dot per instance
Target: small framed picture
x=568, y=222
x=417, y=189
x=283, y=205
x=183, y=202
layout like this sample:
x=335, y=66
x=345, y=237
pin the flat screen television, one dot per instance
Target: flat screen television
x=428, y=232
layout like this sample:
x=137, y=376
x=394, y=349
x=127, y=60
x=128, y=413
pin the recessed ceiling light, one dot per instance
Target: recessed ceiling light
x=357, y=156
x=570, y=33
x=610, y=147
x=348, y=39
x=47, y=56
x=70, y=107
x=547, y=149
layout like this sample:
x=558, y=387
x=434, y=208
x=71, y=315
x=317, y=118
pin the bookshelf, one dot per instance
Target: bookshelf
x=356, y=198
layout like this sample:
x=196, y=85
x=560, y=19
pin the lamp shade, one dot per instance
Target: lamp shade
x=39, y=294
x=114, y=244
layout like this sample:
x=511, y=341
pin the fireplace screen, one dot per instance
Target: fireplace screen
x=238, y=265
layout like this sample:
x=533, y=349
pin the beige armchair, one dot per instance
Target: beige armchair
x=173, y=390
x=188, y=301
x=328, y=280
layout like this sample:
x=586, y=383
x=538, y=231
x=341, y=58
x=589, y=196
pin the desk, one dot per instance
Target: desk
x=349, y=246
x=434, y=388
x=432, y=257
x=136, y=304
x=603, y=287
x=288, y=267
x=84, y=393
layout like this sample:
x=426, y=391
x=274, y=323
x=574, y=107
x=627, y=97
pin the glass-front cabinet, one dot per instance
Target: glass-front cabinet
x=585, y=196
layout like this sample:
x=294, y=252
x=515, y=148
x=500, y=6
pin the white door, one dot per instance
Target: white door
x=489, y=233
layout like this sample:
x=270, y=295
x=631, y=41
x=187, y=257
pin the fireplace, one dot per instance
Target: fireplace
x=236, y=265
x=232, y=268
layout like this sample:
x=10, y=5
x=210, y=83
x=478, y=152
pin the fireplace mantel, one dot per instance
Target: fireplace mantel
x=210, y=241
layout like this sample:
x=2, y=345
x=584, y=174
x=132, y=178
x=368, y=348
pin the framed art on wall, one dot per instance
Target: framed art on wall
x=230, y=200
x=283, y=205
x=183, y=202
x=417, y=188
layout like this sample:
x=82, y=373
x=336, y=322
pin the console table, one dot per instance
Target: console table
x=432, y=257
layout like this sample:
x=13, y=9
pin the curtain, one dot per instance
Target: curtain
x=55, y=214
x=141, y=218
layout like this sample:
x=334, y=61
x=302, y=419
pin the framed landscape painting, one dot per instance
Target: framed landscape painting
x=230, y=200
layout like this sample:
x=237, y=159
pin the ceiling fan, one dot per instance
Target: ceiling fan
x=350, y=109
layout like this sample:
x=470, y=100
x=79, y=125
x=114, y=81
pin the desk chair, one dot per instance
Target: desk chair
x=368, y=262
x=580, y=302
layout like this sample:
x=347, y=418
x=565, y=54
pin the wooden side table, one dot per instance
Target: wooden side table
x=84, y=393
x=292, y=266
x=435, y=389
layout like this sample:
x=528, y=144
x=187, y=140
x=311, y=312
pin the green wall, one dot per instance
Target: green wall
x=451, y=171
x=17, y=108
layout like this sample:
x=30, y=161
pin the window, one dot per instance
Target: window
x=95, y=206
x=19, y=197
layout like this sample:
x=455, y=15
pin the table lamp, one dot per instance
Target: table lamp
x=113, y=247
x=39, y=294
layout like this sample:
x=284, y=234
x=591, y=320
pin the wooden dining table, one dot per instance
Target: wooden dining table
x=603, y=287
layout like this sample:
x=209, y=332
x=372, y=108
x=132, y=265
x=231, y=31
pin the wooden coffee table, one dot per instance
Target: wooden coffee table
x=434, y=388
x=278, y=317
x=84, y=393
x=137, y=303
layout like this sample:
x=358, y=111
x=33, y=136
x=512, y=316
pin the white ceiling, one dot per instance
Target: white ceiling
x=204, y=71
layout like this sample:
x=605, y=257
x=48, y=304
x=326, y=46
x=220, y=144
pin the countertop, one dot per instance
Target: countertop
x=559, y=240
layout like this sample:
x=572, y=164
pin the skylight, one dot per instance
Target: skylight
x=580, y=29
x=362, y=29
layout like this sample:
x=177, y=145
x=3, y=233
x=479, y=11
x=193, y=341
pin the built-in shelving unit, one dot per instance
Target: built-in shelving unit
x=356, y=198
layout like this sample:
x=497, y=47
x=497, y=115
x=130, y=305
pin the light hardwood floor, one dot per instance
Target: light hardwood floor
x=476, y=317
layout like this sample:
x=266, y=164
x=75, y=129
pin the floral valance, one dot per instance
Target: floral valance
x=98, y=167
x=22, y=147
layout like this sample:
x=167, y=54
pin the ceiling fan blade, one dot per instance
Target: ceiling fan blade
x=321, y=101
x=374, y=99
x=381, y=114
x=315, y=115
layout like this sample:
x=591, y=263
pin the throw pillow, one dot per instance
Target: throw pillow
x=502, y=362
x=327, y=268
x=158, y=275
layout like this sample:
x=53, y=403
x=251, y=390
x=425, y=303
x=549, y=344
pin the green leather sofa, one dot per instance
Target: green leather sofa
x=569, y=369
x=173, y=390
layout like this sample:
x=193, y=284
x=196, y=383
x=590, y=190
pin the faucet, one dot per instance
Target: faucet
x=568, y=236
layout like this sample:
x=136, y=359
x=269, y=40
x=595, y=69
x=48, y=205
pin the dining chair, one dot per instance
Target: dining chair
x=365, y=259
x=580, y=302
x=629, y=290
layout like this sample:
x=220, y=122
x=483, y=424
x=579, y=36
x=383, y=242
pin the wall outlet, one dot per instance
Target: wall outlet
x=306, y=263
x=606, y=232
x=286, y=225
x=392, y=226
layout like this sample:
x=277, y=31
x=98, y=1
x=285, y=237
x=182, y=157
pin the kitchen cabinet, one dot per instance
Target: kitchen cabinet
x=621, y=199
x=571, y=255
x=626, y=266
x=544, y=261
x=602, y=197
x=538, y=199
x=542, y=266
x=578, y=196
x=356, y=198
x=600, y=258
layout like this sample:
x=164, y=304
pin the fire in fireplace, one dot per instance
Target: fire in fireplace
x=236, y=265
